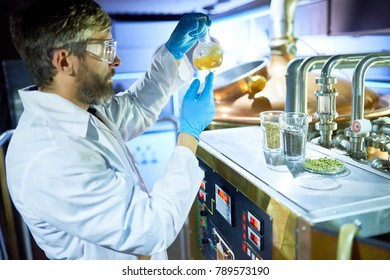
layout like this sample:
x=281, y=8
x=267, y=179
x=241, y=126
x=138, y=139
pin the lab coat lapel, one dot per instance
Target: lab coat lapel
x=108, y=127
x=106, y=137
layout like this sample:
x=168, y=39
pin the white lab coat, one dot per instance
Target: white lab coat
x=70, y=176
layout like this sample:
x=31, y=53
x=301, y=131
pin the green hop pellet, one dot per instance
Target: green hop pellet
x=324, y=165
x=272, y=132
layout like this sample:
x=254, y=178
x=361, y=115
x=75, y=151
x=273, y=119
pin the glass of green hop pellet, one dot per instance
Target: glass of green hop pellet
x=271, y=145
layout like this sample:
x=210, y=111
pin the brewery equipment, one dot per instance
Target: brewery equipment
x=245, y=210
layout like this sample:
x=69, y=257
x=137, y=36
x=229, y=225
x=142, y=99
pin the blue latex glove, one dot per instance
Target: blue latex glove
x=197, y=110
x=187, y=32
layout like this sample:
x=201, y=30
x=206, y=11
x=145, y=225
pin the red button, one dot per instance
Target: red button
x=243, y=247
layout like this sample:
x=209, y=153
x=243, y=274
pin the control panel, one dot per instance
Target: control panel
x=231, y=226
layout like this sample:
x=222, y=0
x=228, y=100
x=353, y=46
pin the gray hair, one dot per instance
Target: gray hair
x=42, y=26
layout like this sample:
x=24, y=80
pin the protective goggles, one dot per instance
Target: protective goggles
x=102, y=50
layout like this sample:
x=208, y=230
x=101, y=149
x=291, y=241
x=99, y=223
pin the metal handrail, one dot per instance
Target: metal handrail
x=4, y=138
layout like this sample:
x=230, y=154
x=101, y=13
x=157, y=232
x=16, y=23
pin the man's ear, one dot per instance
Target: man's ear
x=62, y=61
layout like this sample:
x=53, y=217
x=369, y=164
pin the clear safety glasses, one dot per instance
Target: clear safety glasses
x=103, y=50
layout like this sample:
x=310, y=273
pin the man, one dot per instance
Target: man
x=69, y=172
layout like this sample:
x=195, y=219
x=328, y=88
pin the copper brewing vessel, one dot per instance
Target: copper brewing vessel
x=239, y=104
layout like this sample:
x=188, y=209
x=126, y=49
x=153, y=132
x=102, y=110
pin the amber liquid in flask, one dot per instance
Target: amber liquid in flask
x=207, y=55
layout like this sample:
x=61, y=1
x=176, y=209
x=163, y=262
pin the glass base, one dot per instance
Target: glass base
x=275, y=161
x=317, y=182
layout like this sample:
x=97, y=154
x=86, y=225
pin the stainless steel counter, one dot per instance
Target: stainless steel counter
x=362, y=194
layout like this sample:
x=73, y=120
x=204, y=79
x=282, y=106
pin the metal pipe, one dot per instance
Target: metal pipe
x=326, y=97
x=358, y=81
x=282, y=16
x=327, y=113
x=348, y=61
x=296, y=79
x=292, y=83
x=357, y=147
x=309, y=64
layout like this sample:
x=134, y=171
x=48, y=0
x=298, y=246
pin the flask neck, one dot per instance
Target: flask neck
x=206, y=38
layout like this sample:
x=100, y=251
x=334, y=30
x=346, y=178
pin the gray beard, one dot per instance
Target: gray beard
x=93, y=89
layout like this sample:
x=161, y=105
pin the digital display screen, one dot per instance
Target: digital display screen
x=254, y=238
x=223, y=195
x=223, y=204
x=255, y=222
